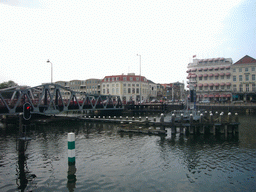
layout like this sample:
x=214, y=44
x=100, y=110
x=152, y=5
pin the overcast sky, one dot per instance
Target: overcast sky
x=96, y=38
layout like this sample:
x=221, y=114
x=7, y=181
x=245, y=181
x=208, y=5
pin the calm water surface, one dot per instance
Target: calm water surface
x=109, y=161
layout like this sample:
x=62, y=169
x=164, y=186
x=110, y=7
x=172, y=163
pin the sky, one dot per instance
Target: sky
x=98, y=38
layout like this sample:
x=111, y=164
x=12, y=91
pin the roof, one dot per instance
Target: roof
x=245, y=60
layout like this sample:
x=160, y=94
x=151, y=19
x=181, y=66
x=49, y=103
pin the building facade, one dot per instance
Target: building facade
x=129, y=87
x=210, y=78
x=243, y=77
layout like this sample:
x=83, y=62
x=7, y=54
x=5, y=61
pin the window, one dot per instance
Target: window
x=234, y=78
x=124, y=84
x=117, y=90
x=103, y=91
x=137, y=78
x=240, y=69
x=117, y=78
x=222, y=86
x=217, y=88
x=137, y=90
x=131, y=78
x=217, y=77
x=253, y=87
x=246, y=69
x=205, y=88
x=113, y=90
x=247, y=87
x=211, y=78
x=240, y=78
x=234, y=70
x=211, y=88
x=222, y=77
x=241, y=88
x=129, y=90
x=253, y=68
x=137, y=85
x=133, y=90
x=124, y=90
x=200, y=88
x=205, y=78
x=234, y=88
x=125, y=79
x=253, y=77
x=129, y=85
x=228, y=86
x=246, y=77
x=228, y=77
x=200, y=78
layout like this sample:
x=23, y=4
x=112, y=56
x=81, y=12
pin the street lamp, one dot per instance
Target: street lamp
x=51, y=68
x=140, y=76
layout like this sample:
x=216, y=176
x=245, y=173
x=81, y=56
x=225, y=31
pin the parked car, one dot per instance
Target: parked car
x=154, y=101
x=253, y=101
x=204, y=101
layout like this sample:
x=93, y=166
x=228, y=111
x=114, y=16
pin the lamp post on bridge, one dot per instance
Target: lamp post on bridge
x=51, y=68
x=140, y=76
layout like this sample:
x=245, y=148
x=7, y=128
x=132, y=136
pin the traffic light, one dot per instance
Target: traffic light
x=27, y=108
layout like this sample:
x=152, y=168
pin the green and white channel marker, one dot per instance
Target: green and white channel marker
x=71, y=149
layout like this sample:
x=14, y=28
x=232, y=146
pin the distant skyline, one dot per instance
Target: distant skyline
x=93, y=39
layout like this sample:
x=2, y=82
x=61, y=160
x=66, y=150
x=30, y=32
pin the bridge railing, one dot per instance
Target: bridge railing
x=53, y=98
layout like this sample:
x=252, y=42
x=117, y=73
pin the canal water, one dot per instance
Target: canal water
x=109, y=161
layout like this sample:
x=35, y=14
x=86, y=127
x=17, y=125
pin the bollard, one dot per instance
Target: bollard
x=121, y=117
x=98, y=117
x=201, y=118
x=89, y=117
x=94, y=117
x=211, y=118
x=162, y=118
x=173, y=118
x=127, y=117
x=71, y=149
x=236, y=118
x=109, y=117
x=181, y=117
x=229, y=118
x=114, y=117
x=103, y=117
x=154, y=119
x=139, y=118
x=191, y=118
x=133, y=118
x=221, y=117
x=146, y=118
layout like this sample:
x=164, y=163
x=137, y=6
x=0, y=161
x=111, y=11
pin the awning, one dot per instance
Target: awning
x=189, y=70
x=211, y=84
x=193, y=70
x=211, y=95
x=210, y=75
x=228, y=83
x=200, y=85
x=222, y=74
x=205, y=95
x=216, y=74
x=205, y=69
x=216, y=95
x=211, y=68
x=222, y=84
x=193, y=76
x=228, y=67
x=200, y=75
x=188, y=77
x=227, y=74
x=200, y=69
x=216, y=68
x=205, y=84
x=228, y=95
x=205, y=75
x=216, y=84
x=223, y=95
x=222, y=67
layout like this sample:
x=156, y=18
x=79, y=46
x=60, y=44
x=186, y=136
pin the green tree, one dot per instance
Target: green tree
x=8, y=84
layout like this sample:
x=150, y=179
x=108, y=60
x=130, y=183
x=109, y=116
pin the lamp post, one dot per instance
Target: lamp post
x=51, y=68
x=140, y=76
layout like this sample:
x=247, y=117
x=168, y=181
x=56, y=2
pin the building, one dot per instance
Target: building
x=172, y=91
x=129, y=87
x=210, y=78
x=243, y=77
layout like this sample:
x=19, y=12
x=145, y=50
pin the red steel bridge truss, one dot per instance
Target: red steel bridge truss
x=53, y=99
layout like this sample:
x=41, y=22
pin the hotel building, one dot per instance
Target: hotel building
x=210, y=78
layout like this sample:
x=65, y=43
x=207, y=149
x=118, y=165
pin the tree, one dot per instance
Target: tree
x=8, y=84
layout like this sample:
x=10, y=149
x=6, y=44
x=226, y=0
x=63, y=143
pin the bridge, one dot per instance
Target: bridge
x=53, y=99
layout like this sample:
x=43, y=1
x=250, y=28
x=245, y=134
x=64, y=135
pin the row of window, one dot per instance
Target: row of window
x=125, y=91
x=222, y=87
x=124, y=79
x=247, y=88
x=246, y=69
x=213, y=78
x=246, y=77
